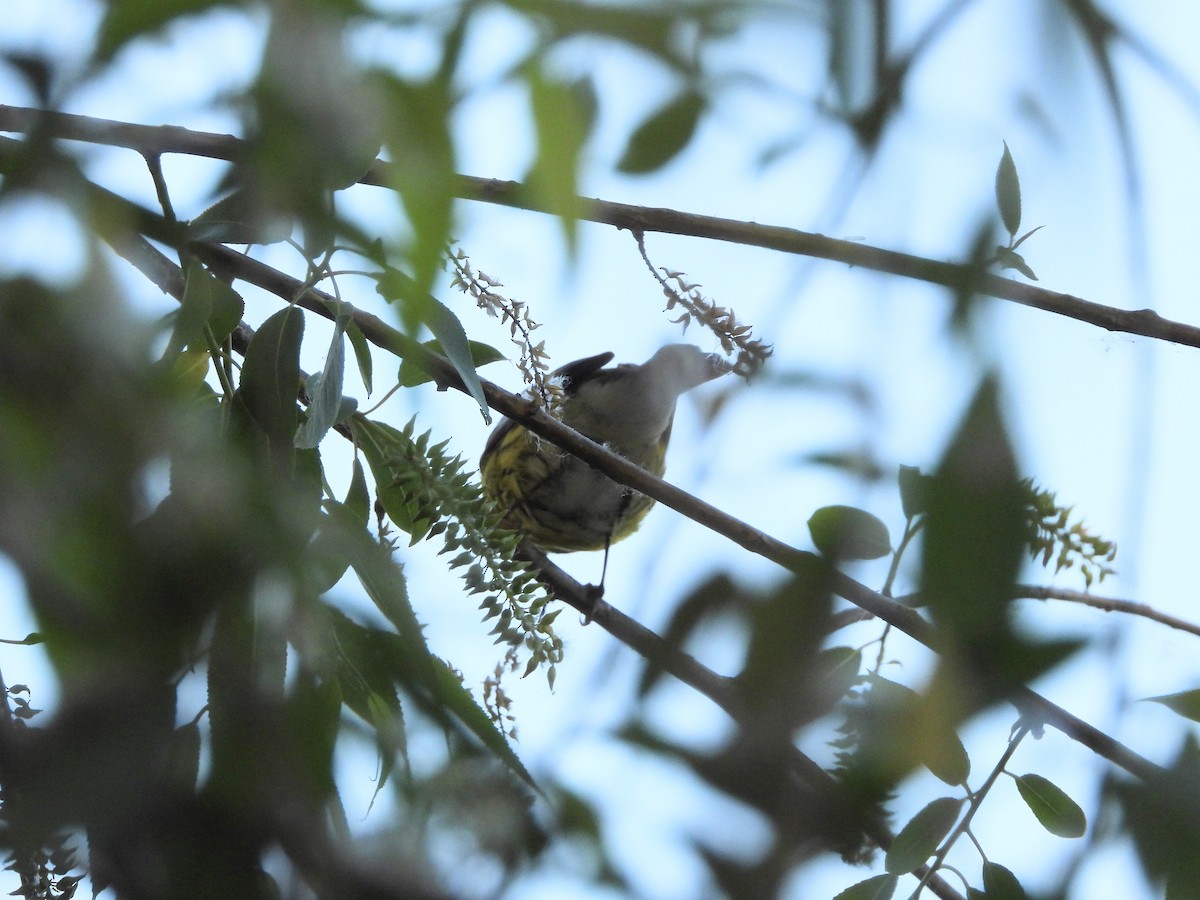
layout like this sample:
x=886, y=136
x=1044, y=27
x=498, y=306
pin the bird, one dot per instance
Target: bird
x=558, y=502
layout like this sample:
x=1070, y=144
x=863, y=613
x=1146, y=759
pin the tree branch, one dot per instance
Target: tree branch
x=536, y=420
x=1108, y=604
x=152, y=140
x=622, y=470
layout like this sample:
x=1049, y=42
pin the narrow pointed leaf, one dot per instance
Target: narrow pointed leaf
x=1008, y=192
x=662, y=136
x=1186, y=703
x=919, y=839
x=1058, y=813
x=325, y=392
x=271, y=376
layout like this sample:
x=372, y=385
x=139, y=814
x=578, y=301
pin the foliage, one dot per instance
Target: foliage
x=187, y=537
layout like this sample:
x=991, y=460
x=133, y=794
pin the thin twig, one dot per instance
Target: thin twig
x=1108, y=604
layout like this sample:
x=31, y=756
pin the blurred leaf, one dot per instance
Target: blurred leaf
x=481, y=354
x=562, y=116
x=270, y=381
x=325, y=391
x=854, y=30
x=362, y=354
x=651, y=27
x=423, y=166
x=183, y=757
x=1008, y=192
x=313, y=710
x=914, y=488
x=239, y=218
x=1186, y=703
x=662, y=136
x=1058, y=813
x=858, y=463
x=975, y=533
x=900, y=729
x=455, y=698
x=878, y=887
x=837, y=671
x=125, y=20
x=919, y=839
x=714, y=596
x=208, y=302
x=844, y=532
x=1001, y=884
x=1162, y=814
x=778, y=682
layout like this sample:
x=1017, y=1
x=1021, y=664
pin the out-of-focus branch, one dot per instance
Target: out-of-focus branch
x=153, y=140
x=1108, y=604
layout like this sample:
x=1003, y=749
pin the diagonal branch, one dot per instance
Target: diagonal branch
x=616, y=467
x=622, y=470
x=152, y=140
x=717, y=688
x=1108, y=604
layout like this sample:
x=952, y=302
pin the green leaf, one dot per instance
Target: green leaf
x=919, y=839
x=390, y=737
x=418, y=139
x=358, y=498
x=562, y=118
x=240, y=218
x=1008, y=192
x=458, y=700
x=975, y=535
x=837, y=671
x=383, y=446
x=1058, y=813
x=481, y=354
x=914, y=486
x=1186, y=703
x=271, y=377
x=362, y=354
x=1001, y=884
x=1010, y=259
x=426, y=309
x=325, y=392
x=183, y=756
x=844, y=532
x=125, y=20
x=313, y=719
x=208, y=303
x=661, y=137
x=1161, y=813
x=879, y=887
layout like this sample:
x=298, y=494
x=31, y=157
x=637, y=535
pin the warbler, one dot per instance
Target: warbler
x=559, y=502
